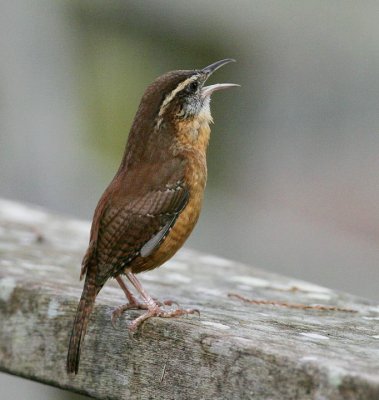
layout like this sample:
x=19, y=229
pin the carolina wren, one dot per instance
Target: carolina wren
x=153, y=202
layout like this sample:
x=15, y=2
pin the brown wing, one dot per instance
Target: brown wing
x=133, y=224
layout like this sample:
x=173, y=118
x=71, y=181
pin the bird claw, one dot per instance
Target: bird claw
x=196, y=311
x=154, y=310
x=158, y=312
x=116, y=314
x=168, y=303
x=179, y=312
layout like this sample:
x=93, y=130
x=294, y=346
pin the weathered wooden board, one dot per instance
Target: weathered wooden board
x=235, y=350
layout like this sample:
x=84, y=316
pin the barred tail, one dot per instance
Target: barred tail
x=83, y=313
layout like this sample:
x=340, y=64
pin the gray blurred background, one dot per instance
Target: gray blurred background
x=294, y=154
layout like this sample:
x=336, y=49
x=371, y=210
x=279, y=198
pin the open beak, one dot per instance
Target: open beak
x=206, y=91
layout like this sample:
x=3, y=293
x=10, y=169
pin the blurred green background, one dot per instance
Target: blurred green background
x=293, y=160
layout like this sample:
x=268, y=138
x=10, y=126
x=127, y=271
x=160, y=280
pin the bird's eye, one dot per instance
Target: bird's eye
x=193, y=86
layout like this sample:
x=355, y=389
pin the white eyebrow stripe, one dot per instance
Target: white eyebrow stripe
x=171, y=95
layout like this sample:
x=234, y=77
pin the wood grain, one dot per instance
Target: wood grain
x=235, y=350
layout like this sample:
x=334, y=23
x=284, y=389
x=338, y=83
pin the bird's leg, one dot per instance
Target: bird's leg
x=133, y=303
x=129, y=295
x=153, y=308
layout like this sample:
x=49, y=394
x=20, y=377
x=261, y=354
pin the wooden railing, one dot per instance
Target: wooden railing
x=295, y=340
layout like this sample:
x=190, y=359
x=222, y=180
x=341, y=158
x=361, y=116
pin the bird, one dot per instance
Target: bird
x=154, y=200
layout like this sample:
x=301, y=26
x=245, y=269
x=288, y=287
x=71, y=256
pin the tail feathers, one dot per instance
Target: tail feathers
x=79, y=329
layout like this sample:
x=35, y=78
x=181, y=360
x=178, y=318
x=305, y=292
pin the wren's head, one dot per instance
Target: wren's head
x=186, y=96
x=174, y=105
x=185, y=102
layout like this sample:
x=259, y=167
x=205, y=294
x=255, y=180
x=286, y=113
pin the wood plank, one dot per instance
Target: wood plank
x=234, y=350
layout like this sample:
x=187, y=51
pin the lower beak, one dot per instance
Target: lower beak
x=206, y=91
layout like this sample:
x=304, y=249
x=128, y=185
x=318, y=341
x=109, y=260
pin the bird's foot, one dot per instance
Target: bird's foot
x=153, y=306
x=136, y=305
x=116, y=314
x=163, y=303
x=158, y=312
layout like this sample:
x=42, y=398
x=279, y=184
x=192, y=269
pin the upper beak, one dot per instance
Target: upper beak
x=208, y=90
